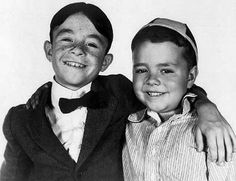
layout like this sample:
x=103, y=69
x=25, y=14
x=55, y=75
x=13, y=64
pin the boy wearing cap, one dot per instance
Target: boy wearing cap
x=65, y=137
x=159, y=139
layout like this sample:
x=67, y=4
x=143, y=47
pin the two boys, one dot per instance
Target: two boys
x=65, y=137
x=159, y=139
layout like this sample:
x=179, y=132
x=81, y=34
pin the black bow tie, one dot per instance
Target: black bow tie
x=69, y=105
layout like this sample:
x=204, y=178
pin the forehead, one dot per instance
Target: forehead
x=78, y=24
x=158, y=53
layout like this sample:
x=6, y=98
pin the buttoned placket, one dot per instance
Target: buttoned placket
x=153, y=154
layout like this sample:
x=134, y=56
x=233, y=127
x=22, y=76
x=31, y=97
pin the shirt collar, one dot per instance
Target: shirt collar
x=58, y=91
x=140, y=115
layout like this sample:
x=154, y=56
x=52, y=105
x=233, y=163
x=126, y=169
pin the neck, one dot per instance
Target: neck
x=166, y=115
x=69, y=87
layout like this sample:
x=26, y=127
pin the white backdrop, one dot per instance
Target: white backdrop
x=25, y=26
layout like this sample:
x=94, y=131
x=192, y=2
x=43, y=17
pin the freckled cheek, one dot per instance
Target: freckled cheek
x=97, y=58
x=59, y=52
x=61, y=47
x=98, y=55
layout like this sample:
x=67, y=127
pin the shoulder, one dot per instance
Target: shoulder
x=15, y=118
x=182, y=127
x=16, y=112
x=114, y=79
x=188, y=122
x=116, y=84
x=120, y=87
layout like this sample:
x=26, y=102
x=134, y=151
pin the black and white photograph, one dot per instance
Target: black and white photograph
x=118, y=90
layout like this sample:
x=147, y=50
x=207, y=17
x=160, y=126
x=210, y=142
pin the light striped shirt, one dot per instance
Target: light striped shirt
x=156, y=151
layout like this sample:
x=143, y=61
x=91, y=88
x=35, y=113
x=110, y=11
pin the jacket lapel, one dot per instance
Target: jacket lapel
x=40, y=130
x=96, y=122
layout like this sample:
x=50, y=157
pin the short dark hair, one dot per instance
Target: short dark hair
x=157, y=34
x=92, y=12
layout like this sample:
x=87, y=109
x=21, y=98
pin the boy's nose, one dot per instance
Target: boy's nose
x=153, y=80
x=77, y=50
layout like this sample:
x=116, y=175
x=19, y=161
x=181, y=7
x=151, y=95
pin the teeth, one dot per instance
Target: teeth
x=74, y=64
x=154, y=94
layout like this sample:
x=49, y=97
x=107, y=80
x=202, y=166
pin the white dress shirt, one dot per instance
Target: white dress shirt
x=69, y=128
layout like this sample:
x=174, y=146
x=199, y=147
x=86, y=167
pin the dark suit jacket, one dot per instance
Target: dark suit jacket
x=34, y=153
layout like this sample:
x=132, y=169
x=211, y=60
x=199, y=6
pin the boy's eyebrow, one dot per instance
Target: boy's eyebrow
x=96, y=37
x=159, y=65
x=62, y=31
x=166, y=64
x=139, y=64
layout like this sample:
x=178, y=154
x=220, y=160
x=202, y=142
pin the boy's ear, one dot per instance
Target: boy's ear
x=48, y=50
x=192, y=75
x=106, y=62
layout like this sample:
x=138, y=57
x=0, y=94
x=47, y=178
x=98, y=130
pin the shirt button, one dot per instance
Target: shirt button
x=153, y=176
x=159, y=130
x=153, y=151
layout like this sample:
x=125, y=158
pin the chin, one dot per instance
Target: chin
x=156, y=108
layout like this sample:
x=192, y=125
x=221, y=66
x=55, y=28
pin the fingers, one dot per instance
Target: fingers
x=220, y=148
x=211, y=142
x=220, y=138
x=44, y=86
x=199, y=139
x=233, y=138
x=27, y=105
x=228, y=147
x=230, y=142
x=34, y=100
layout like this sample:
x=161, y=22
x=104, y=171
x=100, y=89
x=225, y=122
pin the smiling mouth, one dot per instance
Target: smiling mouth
x=74, y=64
x=155, y=94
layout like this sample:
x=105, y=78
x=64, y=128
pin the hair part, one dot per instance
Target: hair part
x=157, y=34
x=92, y=12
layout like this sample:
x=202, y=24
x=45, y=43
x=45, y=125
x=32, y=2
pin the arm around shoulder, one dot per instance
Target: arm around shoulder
x=220, y=137
x=201, y=95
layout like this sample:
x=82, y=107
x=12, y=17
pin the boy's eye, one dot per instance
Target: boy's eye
x=93, y=45
x=67, y=40
x=167, y=71
x=140, y=71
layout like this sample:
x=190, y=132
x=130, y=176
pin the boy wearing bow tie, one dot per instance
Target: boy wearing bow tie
x=77, y=139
